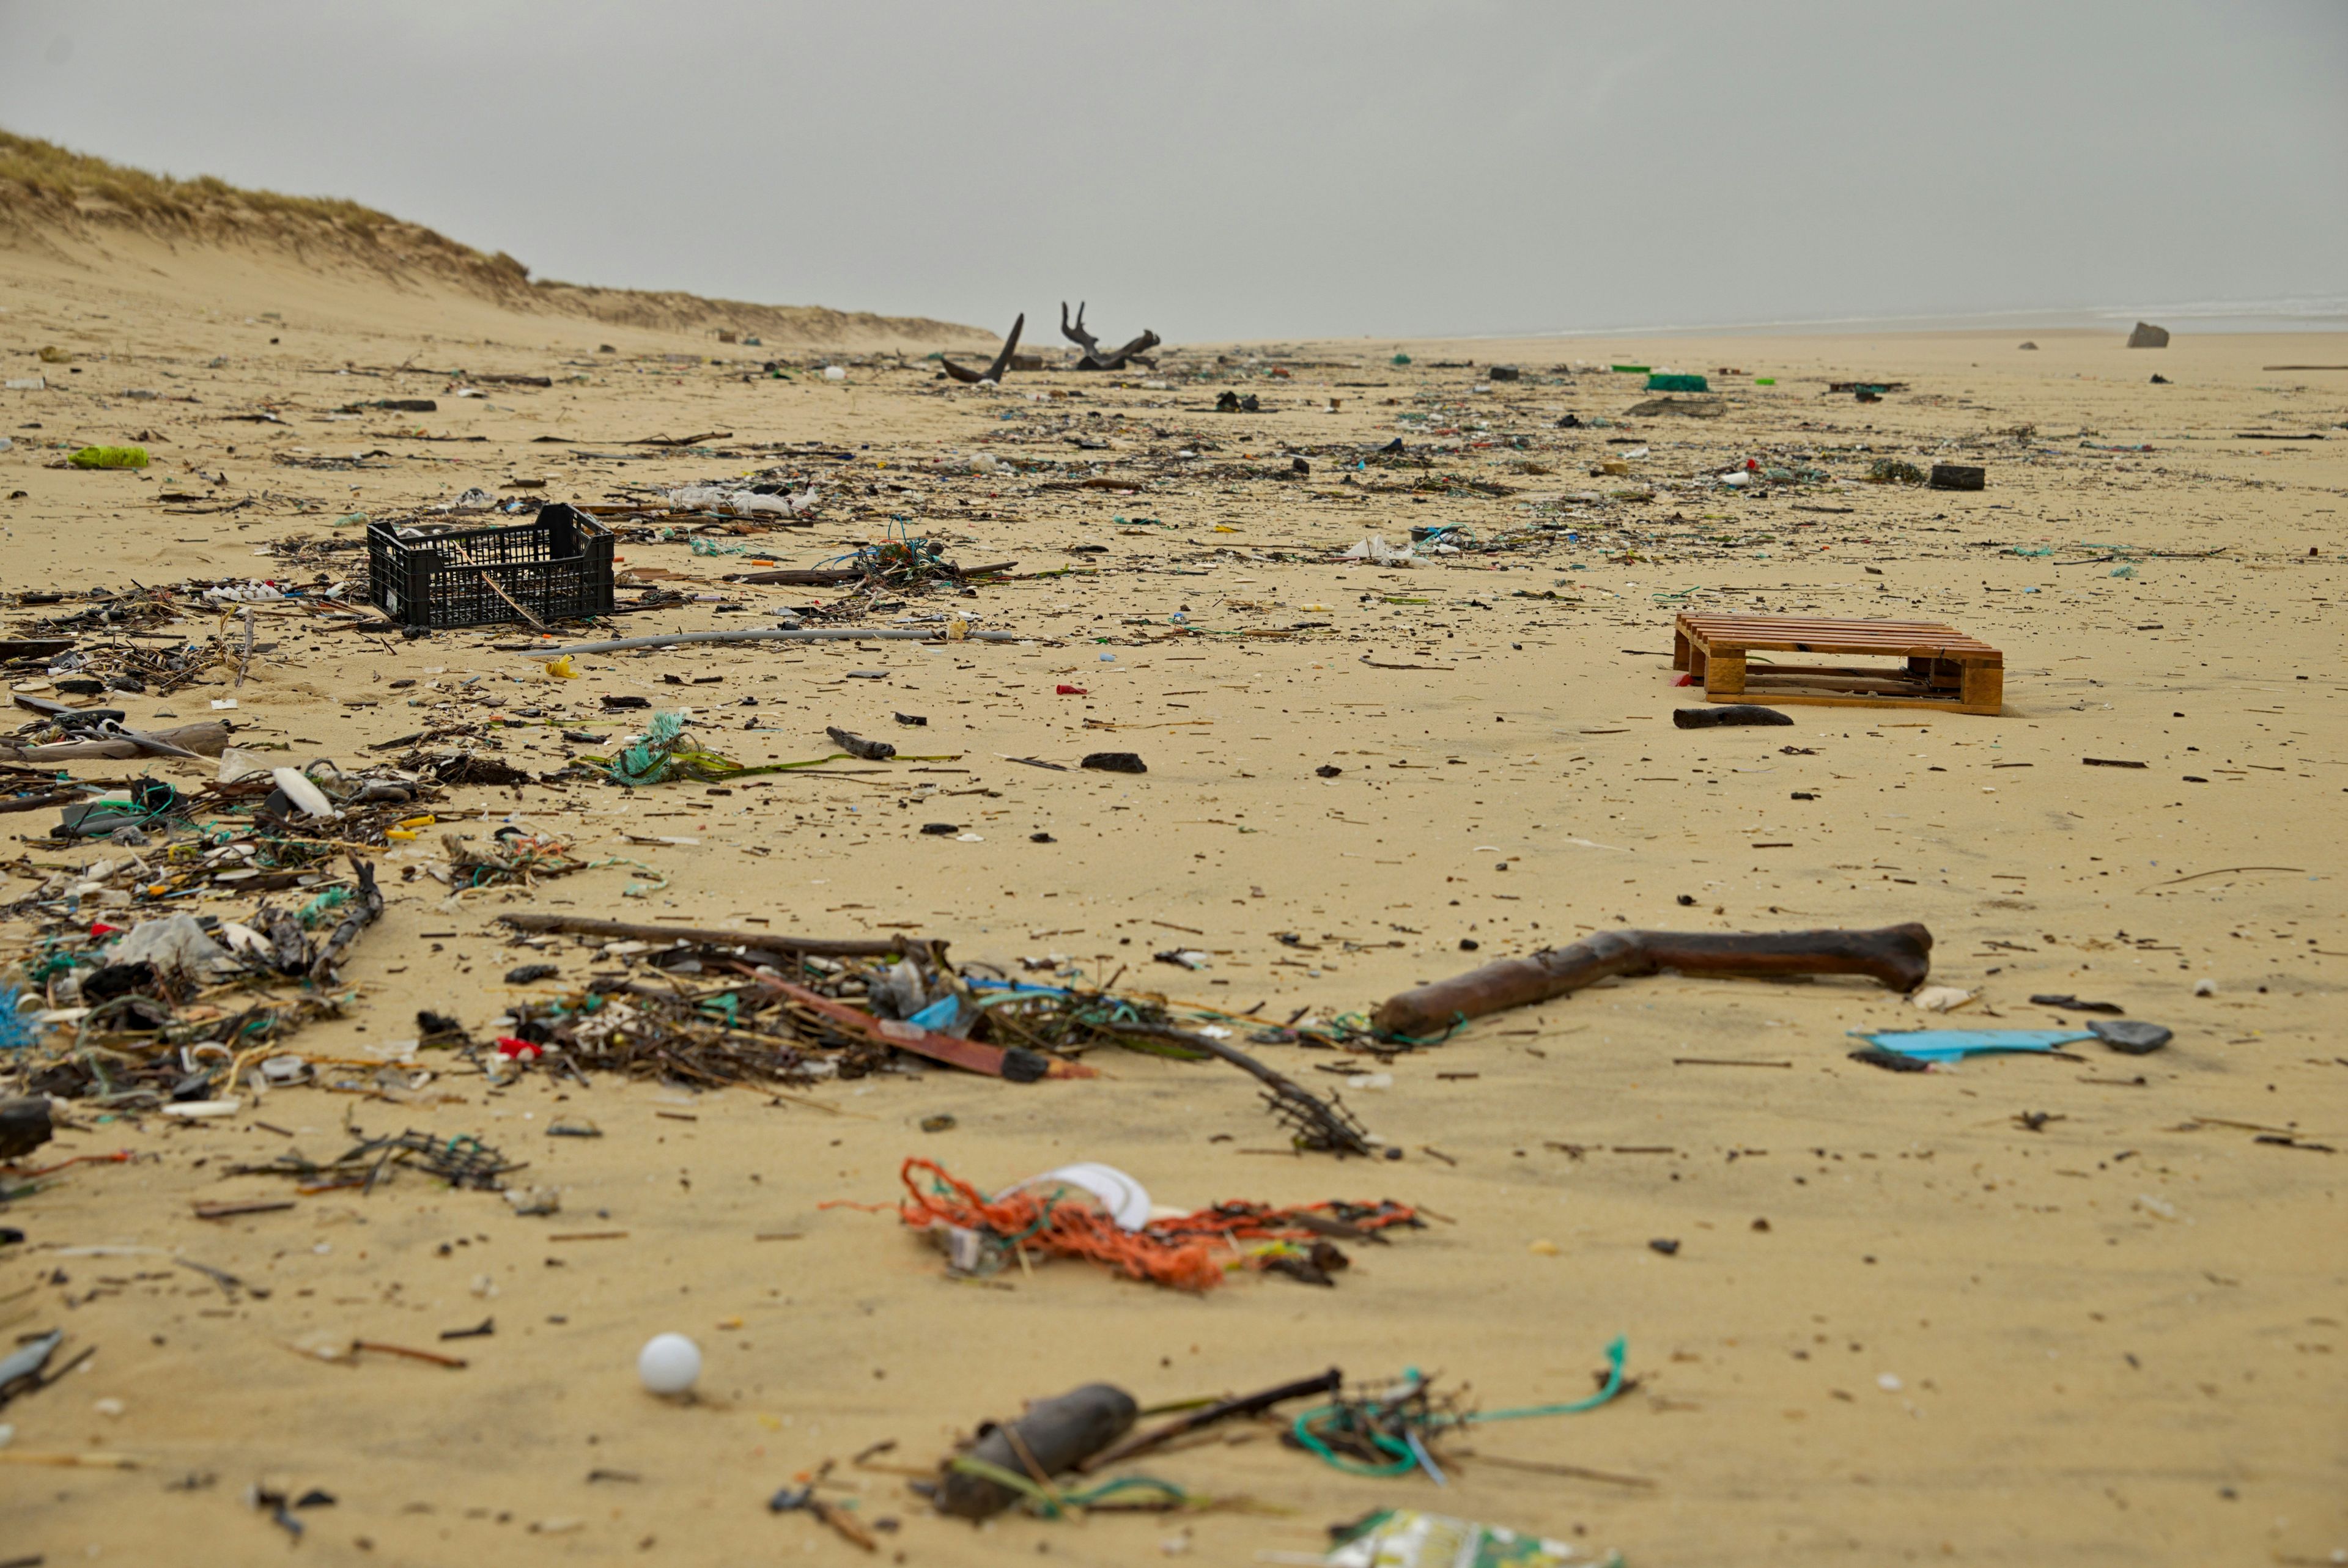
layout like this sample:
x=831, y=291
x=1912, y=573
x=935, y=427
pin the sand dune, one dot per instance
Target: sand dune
x=205, y=239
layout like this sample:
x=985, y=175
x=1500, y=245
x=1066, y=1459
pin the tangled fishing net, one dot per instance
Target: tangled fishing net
x=1192, y=1252
x=666, y=750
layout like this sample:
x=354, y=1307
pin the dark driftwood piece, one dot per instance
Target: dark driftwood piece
x=24, y=1126
x=1727, y=715
x=1899, y=956
x=1115, y=358
x=1003, y=362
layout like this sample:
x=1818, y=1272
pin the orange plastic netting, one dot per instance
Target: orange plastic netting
x=1189, y=1253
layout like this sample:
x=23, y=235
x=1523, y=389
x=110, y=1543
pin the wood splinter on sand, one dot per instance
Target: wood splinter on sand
x=1897, y=956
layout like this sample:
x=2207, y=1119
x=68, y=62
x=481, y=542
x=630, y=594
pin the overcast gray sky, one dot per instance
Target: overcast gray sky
x=1274, y=169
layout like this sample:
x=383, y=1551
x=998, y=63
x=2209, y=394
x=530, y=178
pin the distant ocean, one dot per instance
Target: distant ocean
x=2297, y=313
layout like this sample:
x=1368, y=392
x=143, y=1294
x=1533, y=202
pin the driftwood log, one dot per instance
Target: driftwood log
x=1094, y=357
x=776, y=942
x=206, y=738
x=1897, y=956
x=1003, y=362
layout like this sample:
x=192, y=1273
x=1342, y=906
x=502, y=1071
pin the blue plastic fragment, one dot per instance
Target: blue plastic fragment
x=938, y=1015
x=1951, y=1044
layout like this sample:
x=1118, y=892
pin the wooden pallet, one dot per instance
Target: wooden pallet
x=1945, y=669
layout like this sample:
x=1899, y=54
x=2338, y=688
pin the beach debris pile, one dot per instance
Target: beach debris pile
x=178, y=1011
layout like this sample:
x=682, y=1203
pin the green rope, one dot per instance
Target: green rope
x=1615, y=1354
x=1409, y=1453
x=1044, y=1502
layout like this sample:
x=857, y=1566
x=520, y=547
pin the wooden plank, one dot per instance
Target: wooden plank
x=1795, y=628
x=1851, y=700
x=1983, y=689
x=1882, y=648
x=1724, y=675
x=1922, y=646
x=1730, y=618
x=1757, y=680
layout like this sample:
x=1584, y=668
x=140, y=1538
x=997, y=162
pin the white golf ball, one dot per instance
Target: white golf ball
x=669, y=1363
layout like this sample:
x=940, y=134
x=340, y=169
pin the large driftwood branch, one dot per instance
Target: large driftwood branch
x=1899, y=956
x=995, y=371
x=1095, y=358
x=209, y=738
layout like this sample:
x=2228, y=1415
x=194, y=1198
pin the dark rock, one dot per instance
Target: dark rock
x=1686, y=407
x=1115, y=763
x=2146, y=335
x=2129, y=1036
x=1957, y=476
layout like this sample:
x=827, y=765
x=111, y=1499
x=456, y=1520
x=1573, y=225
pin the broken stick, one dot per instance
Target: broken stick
x=1328, y=1382
x=624, y=930
x=1897, y=956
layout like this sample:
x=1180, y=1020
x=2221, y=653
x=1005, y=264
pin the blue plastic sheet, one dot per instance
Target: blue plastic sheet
x=1953, y=1044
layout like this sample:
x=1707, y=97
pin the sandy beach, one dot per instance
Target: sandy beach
x=2021, y=1309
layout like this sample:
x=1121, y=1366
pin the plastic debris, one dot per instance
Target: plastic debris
x=110, y=457
x=1407, y=1538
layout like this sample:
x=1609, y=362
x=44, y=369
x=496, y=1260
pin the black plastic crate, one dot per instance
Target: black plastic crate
x=558, y=566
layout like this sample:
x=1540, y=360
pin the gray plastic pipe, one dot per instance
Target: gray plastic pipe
x=778, y=634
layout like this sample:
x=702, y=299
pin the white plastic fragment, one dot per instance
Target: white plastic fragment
x=195, y=1110
x=1941, y=998
x=1375, y=550
x=302, y=792
x=1126, y=1200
